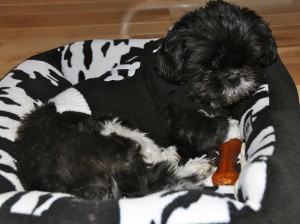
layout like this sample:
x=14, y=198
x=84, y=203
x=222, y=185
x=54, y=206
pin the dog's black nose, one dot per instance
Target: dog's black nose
x=234, y=80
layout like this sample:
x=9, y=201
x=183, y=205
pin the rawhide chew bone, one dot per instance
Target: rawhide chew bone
x=226, y=173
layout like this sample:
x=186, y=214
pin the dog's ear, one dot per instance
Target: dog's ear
x=269, y=52
x=168, y=58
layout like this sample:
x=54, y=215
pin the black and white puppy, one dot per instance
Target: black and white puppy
x=98, y=157
x=216, y=53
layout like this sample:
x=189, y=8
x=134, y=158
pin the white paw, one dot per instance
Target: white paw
x=170, y=154
x=234, y=131
x=201, y=166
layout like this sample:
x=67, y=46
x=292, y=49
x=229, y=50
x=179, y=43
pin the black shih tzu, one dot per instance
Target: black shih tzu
x=216, y=54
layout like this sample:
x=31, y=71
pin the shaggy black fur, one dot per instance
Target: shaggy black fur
x=214, y=50
x=218, y=54
x=66, y=153
x=194, y=132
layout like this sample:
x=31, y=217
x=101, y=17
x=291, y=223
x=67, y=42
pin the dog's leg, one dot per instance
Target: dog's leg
x=150, y=152
x=201, y=166
x=195, y=132
x=162, y=169
x=170, y=154
x=168, y=175
x=193, y=174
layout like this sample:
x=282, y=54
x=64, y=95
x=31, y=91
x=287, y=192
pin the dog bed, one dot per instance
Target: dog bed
x=269, y=122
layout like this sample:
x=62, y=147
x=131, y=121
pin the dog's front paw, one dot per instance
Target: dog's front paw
x=233, y=130
x=201, y=166
x=195, y=132
x=170, y=154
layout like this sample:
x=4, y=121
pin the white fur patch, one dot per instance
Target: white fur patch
x=151, y=152
x=205, y=113
x=244, y=88
x=234, y=131
x=170, y=154
x=201, y=166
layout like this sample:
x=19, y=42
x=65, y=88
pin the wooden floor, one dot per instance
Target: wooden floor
x=28, y=27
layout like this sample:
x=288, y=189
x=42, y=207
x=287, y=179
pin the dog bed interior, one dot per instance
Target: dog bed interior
x=269, y=122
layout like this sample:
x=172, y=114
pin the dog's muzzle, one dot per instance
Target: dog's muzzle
x=234, y=80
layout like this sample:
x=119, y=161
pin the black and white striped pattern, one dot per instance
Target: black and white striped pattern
x=42, y=77
x=34, y=202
